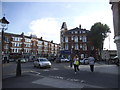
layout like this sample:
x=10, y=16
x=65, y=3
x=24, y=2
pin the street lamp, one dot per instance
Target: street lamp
x=4, y=25
x=71, y=56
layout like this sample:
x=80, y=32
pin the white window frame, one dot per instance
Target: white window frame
x=84, y=39
x=66, y=46
x=76, y=38
x=66, y=39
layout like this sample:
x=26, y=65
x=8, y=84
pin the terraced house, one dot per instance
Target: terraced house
x=28, y=47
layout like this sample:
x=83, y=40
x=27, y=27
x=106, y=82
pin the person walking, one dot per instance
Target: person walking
x=91, y=62
x=76, y=64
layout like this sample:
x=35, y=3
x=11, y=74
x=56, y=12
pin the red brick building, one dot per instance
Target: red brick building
x=75, y=41
x=27, y=46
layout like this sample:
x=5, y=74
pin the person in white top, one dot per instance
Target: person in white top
x=91, y=62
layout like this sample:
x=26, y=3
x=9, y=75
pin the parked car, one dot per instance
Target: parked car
x=116, y=60
x=51, y=58
x=42, y=62
x=64, y=60
x=58, y=60
x=84, y=61
x=22, y=60
x=11, y=60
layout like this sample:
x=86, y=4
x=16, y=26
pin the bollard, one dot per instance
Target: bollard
x=18, y=70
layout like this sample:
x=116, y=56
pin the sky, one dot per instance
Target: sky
x=45, y=19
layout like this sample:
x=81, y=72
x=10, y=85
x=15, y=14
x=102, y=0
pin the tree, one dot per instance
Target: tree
x=98, y=33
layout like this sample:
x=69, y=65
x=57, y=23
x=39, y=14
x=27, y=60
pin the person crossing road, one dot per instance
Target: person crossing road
x=76, y=64
x=91, y=62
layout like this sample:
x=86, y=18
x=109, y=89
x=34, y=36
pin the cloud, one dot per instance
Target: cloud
x=53, y=0
x=48, y=28
x=68, y=6
x=104, y=17
x=89, y=19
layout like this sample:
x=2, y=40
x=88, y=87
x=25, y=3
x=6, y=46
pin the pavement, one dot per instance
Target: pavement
x=31, y=79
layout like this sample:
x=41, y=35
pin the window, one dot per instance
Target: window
x=62, y=39
x=80, y=45
x=66, y=39
x=66, y=46
x=52, y=47
x=84, y=47
x=84, y=39
x=17, y=39
x=76, y=32
x=16, y=50
x=81, y=37
x=76, y=38
x=16, y=44
x=83, y=32
x=72, y=32
x=26, y=50
x=72, y=37
x=45, y=43
x=27, y=45
x=76, y=46
x=6, y=46
x=27, y=40
x=34, y=43
x=39, y=42
x=40, y=47
x=6, y=39
x=80, y=32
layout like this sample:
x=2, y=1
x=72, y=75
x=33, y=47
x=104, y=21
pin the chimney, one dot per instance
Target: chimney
x=51, y=41
x=22, y=34
x=80, y=26
x=41, y=38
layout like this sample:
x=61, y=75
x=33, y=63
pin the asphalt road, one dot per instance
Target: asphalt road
x=104, y=76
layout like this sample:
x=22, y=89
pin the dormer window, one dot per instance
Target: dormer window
x=76, y=32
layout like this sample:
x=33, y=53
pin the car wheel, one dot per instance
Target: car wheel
x=34, y=65
x=39, y=66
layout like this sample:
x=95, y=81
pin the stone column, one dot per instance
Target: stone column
x=116, y=23
x=0, y=61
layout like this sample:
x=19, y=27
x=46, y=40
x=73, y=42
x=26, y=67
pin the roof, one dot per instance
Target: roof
x=4, y=20
x=114, y=0
x=75, y=29
x=22, y=35
x=64, y=26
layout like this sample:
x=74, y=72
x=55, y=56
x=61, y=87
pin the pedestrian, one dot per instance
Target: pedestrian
x=76, y=64
x=91, y=62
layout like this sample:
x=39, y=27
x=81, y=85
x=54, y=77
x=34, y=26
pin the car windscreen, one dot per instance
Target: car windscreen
x=43, y=59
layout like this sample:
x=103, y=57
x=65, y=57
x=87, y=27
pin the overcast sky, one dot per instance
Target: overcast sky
x=45, y=18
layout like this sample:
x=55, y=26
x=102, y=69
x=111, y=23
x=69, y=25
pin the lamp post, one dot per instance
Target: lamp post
x=4, y=26
x=71, y=61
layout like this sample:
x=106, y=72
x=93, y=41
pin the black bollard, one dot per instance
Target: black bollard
x=18, y=70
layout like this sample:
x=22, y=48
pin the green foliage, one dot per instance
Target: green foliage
x=98, y=33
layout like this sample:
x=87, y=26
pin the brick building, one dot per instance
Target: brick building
x=28, y=46
x=75, y=41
